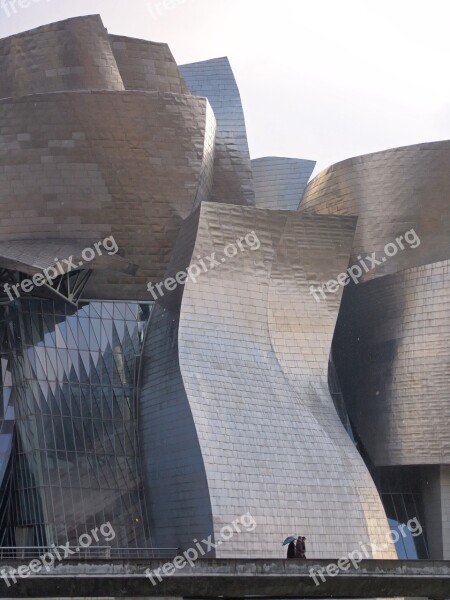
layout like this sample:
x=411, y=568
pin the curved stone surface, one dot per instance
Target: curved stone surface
x=280, y=182
x=147, y=65
x=92, y=165
x=245, y=422
x=233, y=179
x=69, y=55
x=392, y=351
x=390, y=192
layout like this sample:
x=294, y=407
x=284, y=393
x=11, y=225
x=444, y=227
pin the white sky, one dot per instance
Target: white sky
x=319, y=79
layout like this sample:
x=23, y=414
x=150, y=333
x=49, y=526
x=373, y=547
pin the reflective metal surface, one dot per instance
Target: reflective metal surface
x=233, y=179
x=147, y=65
x=391, y=345
x=391, y=342
x=390, y=192
x=236, y=412
x=106, y=136
x=392, y=353
x=280, y=182
x=74, y=54
x=89, y=165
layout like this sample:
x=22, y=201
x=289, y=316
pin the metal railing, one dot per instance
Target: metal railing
x=87, y=553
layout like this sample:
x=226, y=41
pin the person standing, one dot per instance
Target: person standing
x=291, y=552
x=304, y=547
x=299, y=547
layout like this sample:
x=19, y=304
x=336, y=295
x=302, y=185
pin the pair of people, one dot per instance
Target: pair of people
x=297, y=549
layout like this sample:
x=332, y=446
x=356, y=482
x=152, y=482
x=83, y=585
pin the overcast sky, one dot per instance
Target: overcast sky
x=319, y=79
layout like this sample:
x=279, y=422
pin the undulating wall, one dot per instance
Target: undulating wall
x=235, y=392
x=391, y=345
x=395, y=329
x=392, y=352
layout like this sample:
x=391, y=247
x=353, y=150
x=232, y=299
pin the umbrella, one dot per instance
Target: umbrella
x=289, y=539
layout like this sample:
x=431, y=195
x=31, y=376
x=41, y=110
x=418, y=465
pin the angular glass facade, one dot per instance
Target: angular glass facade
x=400, y=509
x=75, y=449
x=402, y=491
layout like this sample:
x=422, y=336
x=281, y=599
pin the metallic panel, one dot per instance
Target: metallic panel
x=175, y=480
x=69, y=55
x=392, y=352
x=390, y=192
x=91, y=165
x=33, y=256
x=147, y=65
x=280, y=182
x=237, y=415
x=233, y=180
x=392, y=338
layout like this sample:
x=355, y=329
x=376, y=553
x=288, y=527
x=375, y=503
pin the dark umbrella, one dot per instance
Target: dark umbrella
x=288, y=540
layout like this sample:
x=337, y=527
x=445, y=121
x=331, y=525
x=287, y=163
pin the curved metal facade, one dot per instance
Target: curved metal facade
x=391, y=344
x=232, y=411
x=69, y=55
x=390, y=192
x=392, y=353
x=86, y=161
x=84, y=165
x=393, y=327
x=147, y=65
x=246, y=422
x=233, y=181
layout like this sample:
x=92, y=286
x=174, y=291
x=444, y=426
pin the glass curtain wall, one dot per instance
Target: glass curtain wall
x=75, y=463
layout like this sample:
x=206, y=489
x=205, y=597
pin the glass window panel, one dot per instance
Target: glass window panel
x=101, y=353
x=416, y=524
x=61, y=335
x=95, y=310
x=107, y=310
x=49, y=331
x=95, y=335
x=119, y=311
